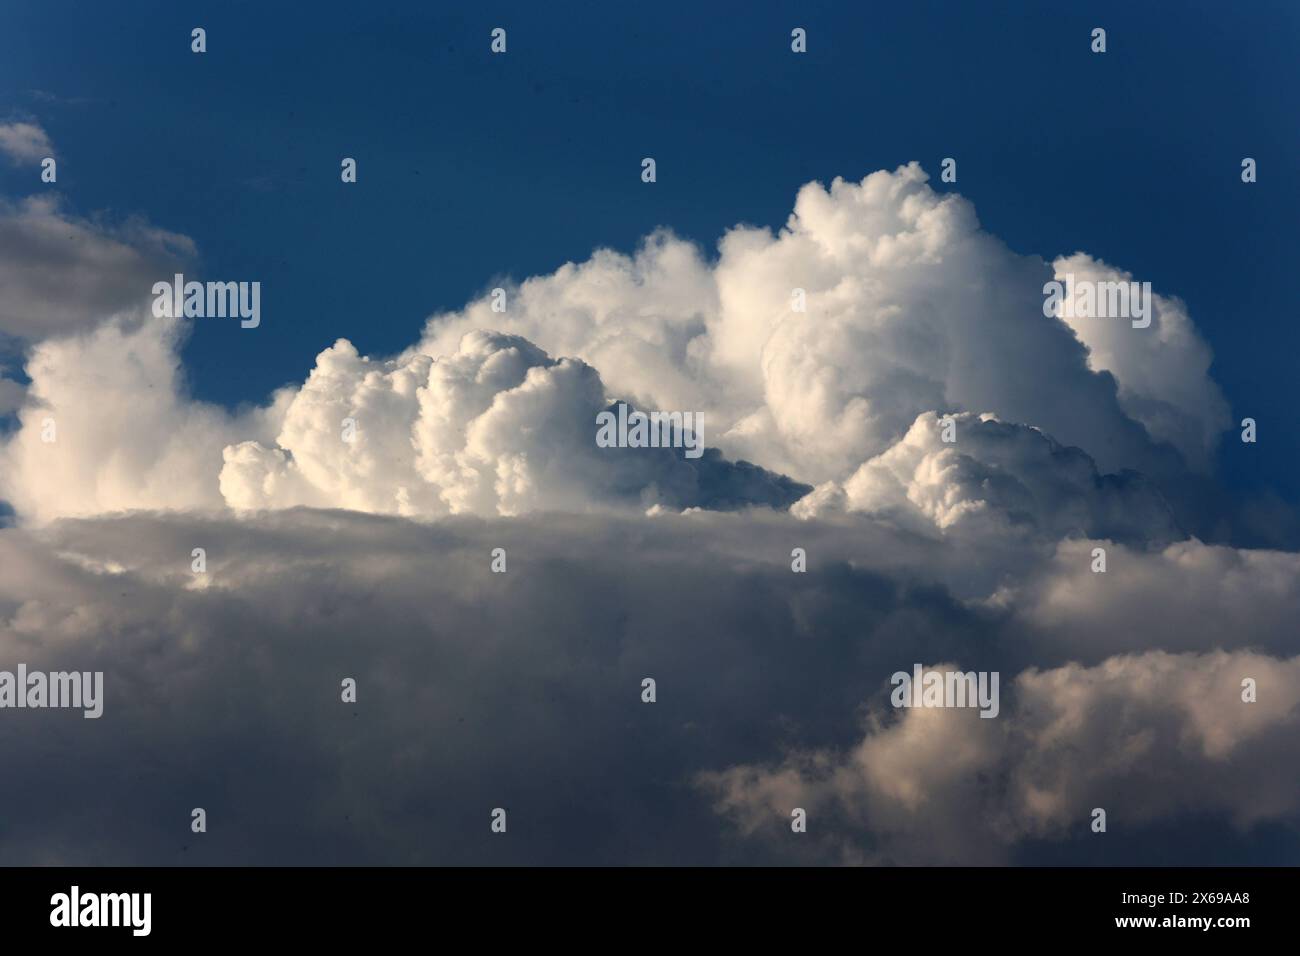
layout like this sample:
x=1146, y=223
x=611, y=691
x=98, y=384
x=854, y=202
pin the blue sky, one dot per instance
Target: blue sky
x=474, y=166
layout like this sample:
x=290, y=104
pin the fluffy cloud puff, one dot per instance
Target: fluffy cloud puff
x=1162, y=371
x=122, y=434
x=996, y=479
x=497, y=427
x=1146, y=737
x=911, y=307
x=1188, y=596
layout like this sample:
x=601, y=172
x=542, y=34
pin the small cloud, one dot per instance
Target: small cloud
x=24, y=142
x=60, y=273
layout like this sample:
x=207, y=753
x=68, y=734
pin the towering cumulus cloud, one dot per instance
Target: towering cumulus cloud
x=910, y=307
x=905, y=308
x=910, y=462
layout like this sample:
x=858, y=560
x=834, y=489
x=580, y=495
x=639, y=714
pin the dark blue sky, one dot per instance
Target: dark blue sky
x=473, y=166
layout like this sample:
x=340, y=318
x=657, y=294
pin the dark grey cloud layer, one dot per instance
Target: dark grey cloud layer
x=522, y=690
